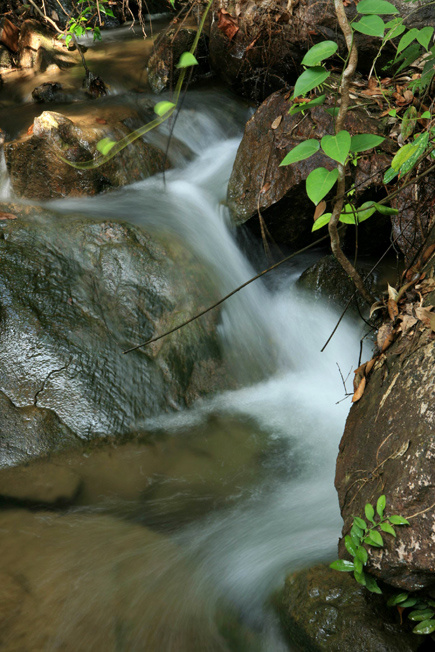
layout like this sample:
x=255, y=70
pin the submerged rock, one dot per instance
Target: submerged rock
x=74, y=295
x=36, y=172
x=322, y=610
x=389, y=444
x=258, y=183
x=168, y=48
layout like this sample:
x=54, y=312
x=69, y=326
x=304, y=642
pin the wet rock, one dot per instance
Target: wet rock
x=257, y=46
x=47, y=92
x=39, y=48
x=167, y=50
x=388, y=448
x=258, y=183
x=327, y=280
x=29, y=431
x=36, y=172
x=322, y=610
x=6, y=61
x=9, y=34
x=75, y=294
x=92, y=582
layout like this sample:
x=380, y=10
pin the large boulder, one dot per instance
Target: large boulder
x=74, y=295
x=325, y=611
x=257, y=46
x=36, y=172
x=259, y=184
x=389, y=442
x=39, y=47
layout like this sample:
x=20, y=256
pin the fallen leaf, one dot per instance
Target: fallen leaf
x=376, y=306
x=227, y=24
x=30, y=130
x=392, y=293
x=428, y=253
x=360, y=391
x=101, y=121
x=320, y=209
x=392, y=308
x=265, y=188
x=385, y=337
x=406, y=323
x=401, y=450
x=369, y=365
x=426, y=315
x=7, y=216
x=276, y=122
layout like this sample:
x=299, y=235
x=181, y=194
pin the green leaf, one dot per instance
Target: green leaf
x=310, y=79
x=302, y=106
x=348, y=214
x=356, y=538
x=161, y=108
x=187, y=59
x=395, y=28
x=392, y=112
x=386, y=210
x=398, y=520
x=322, y=221
x=359, y=522
x=424, y=36
x=358, y=565
x=362, y=554
x=363, y=142
x=426, y=115
x=386, y=527
x=319, y=182
x=409, y=122
x=342, y=565
x=365, y=211
x=380, y=505
x=361, y=578
x=370, y=25
x=372, y=542
x=105, y=145
x=300, y=152
x=376, y=7
x=407, y=39
x=350, y=546
x=389, y=175
x=376, y=537
x=333, y=111
x=405, y=159
x=372, y=585
x=369, y=512
x=426, y=627
x=337, y=147
x=397, y=599
x=410, y=602
x=423, y=614
x=319, y=52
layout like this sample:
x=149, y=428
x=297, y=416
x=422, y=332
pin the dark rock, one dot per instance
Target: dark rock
x=37, y=173
x=322, y=610
x=30, y=431
x=257, y=46
x=75, y=294
x=258, y=182
x=167, y=50
x=6, y=61
x=47, y=92
x=388, y=448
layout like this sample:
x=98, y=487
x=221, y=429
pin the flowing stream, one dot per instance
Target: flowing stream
x=286, y=516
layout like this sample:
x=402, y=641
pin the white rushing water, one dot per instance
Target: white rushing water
x=290, y=519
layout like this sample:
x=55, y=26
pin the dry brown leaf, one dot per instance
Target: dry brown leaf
x=427, y=286
x=426, y=315
x=376, y=306
x=369, y=365
x=392, y=293
x=408, y=95
x=276, y=122
x=360, y=391
x=428, y=253
x=265, y=188
x=385, y=337
x=392, y=308
x=7, y=216
x=101, y=121
x=406, y=323
x=30, y=130
x=320, y=209
x=227, y=24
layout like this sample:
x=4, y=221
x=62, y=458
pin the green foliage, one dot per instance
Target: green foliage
x=319, y=52
x=319, y=182
x=81, y=24
x=161, y=108
x=311, y=78
x=362, y=535
x=187, y=59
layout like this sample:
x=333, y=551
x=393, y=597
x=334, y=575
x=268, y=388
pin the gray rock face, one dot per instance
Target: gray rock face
x=74, y=295
x=326, y=611
x=388, y=448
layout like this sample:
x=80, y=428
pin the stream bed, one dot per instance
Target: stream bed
x=176, y=539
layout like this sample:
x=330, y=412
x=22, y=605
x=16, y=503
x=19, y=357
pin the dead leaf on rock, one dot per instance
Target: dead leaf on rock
x=428, y=253
x=376, y=306
x=30, y=130
x=392, y=308
x=101, y=121
x=7, y=216
x=392, y=293
x=227, y=24
x=385, y=337
x=276, y=122
x=369, y=365
x=265, y=188
x=360, y=391
x=406, y=323
x=426, y=315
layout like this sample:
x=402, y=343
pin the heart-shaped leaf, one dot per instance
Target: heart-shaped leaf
x=105, y=145
x=163, y=107
x=310, y=79
x=424, y=36
x=376, y=7
x=337, y=147
x=187, y=59
x=321, y=221
x=319, y=52
x=319, y=182
x=407, y=39
x=363, y=142
x=302, y=151
x=370, y=25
